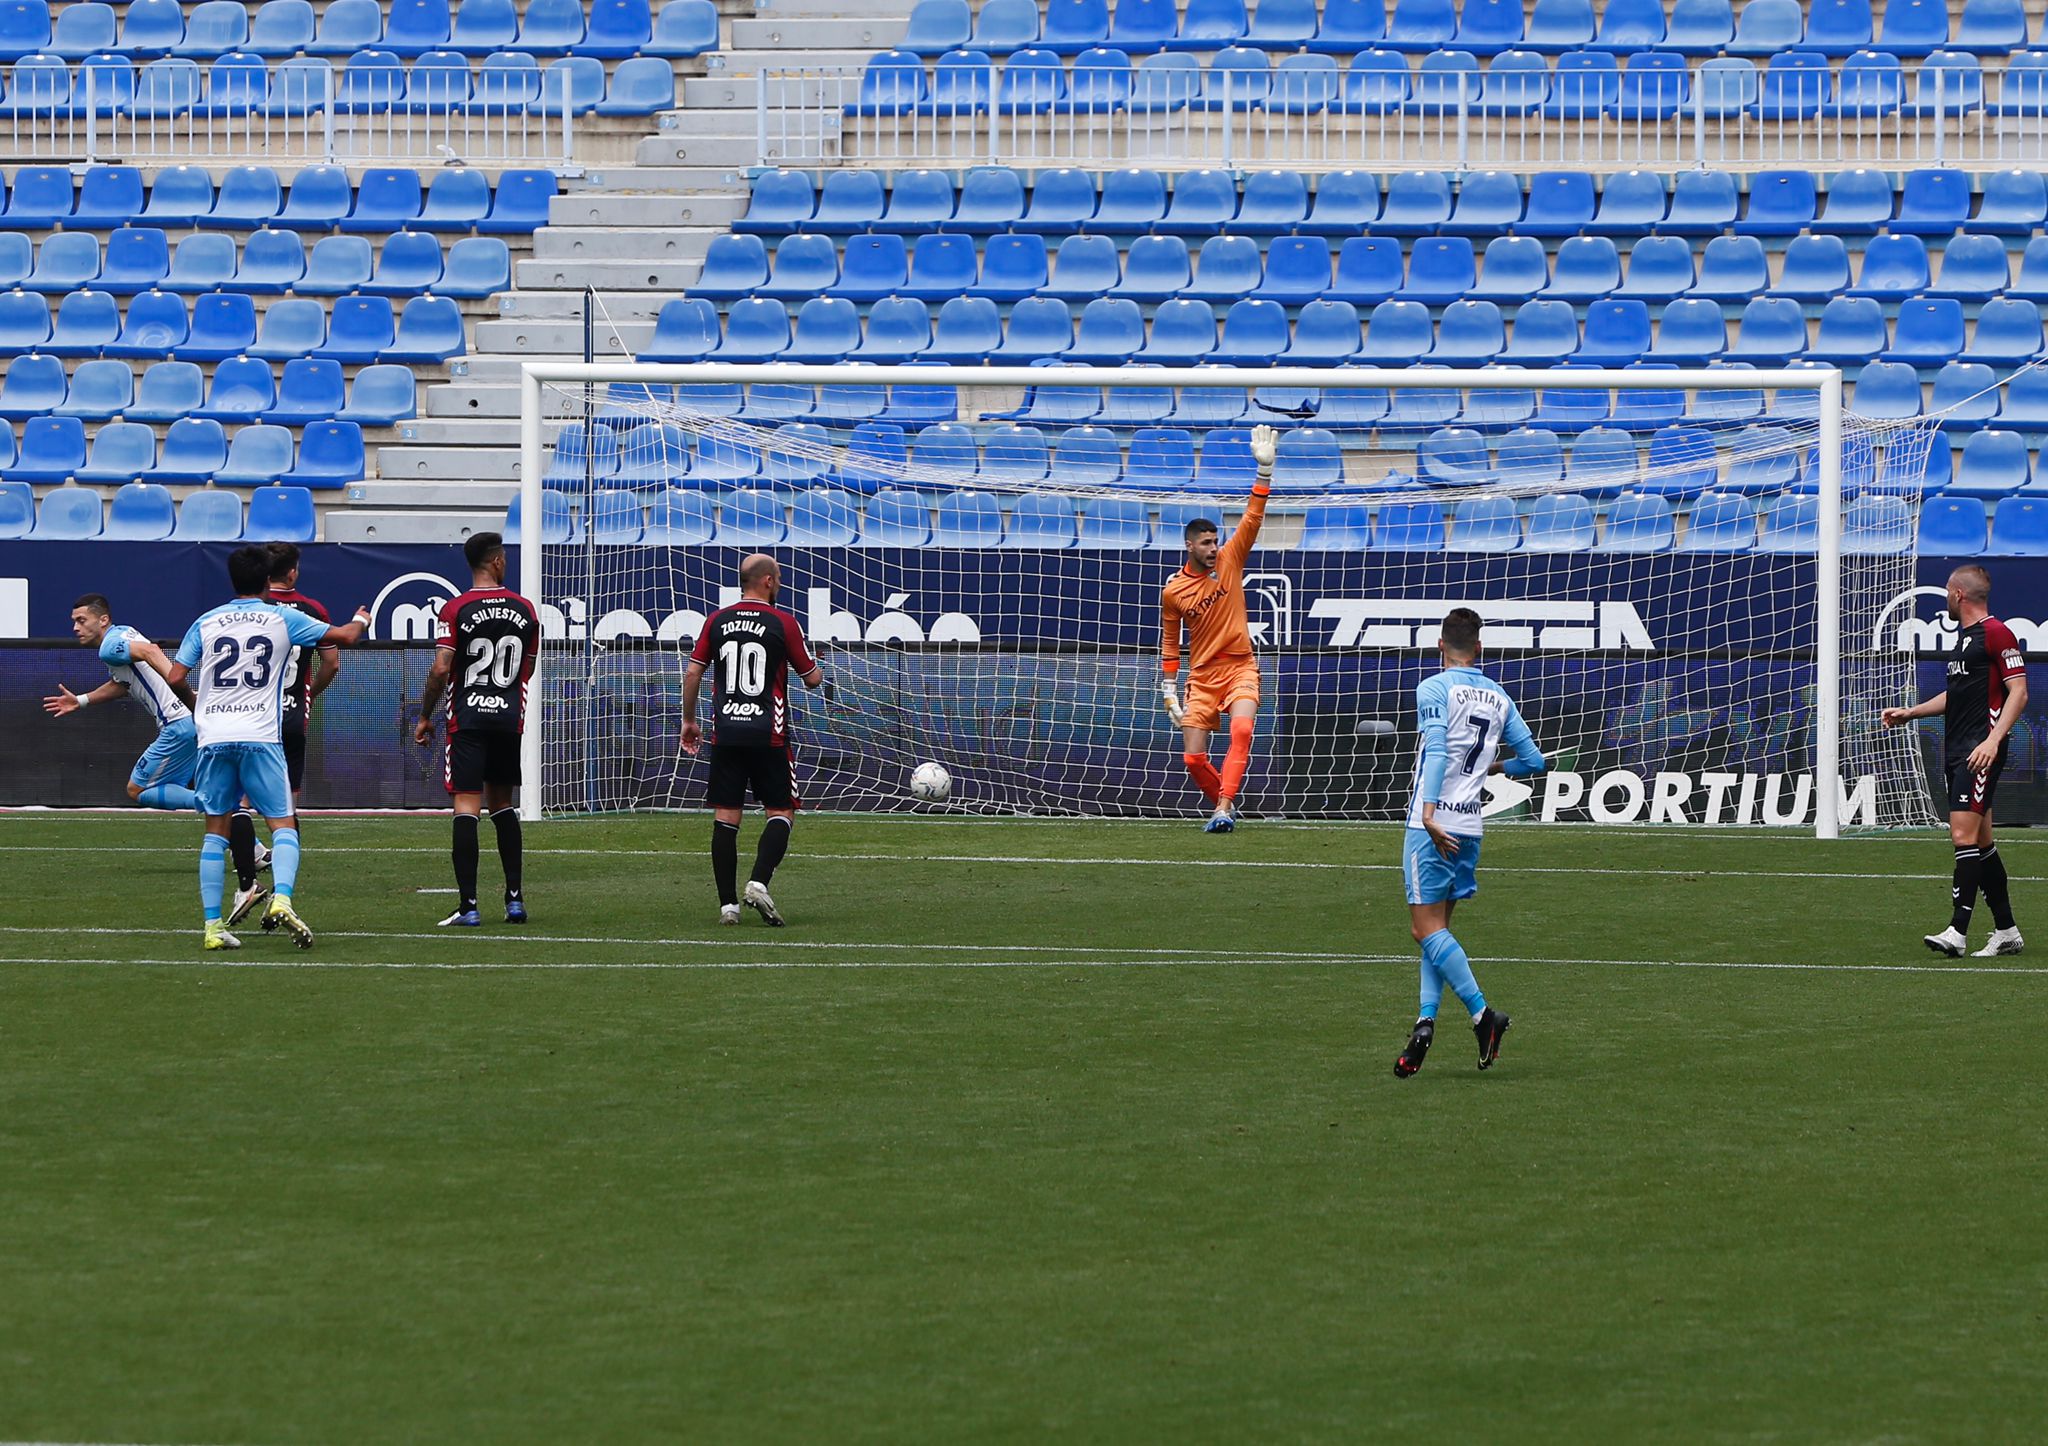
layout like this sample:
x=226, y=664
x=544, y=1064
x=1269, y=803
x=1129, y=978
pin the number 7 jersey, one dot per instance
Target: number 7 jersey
x=1466, y=719
x=494, y=634
x=238, y=656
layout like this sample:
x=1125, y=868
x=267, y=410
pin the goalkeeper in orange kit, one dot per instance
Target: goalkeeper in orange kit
x=1207, y=598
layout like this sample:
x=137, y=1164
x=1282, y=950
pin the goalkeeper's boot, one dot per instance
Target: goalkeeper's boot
x=462, y=919
x=1223, y=820
x=2002, y=941
x=245, y=900
x=1950, y=941
x=728, y=914
x=218, y=937
x=1410, y=1059
x=281, y=915
x=1488, y=1031
x=755, y=896
x=515, y=909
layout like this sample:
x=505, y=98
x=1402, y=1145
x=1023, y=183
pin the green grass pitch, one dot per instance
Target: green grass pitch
x=1020, y=1130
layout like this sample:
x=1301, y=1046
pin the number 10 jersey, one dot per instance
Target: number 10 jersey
x=749, y=649
x=494, y=634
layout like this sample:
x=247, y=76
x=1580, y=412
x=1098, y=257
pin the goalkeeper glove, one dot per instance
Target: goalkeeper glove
x=1172, y=701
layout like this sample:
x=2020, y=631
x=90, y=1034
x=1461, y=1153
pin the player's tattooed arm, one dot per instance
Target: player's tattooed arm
x=64, y=701
x=430, y=696
x=2010, y=712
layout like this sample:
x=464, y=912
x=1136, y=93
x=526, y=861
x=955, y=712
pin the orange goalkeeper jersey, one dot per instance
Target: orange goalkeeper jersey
x=1211, y=604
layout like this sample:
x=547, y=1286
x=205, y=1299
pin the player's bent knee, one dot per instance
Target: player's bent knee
x=1193, y=759
x=134, y=792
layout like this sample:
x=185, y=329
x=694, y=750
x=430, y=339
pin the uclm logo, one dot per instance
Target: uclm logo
x=1917, y=621
x=1624, y=796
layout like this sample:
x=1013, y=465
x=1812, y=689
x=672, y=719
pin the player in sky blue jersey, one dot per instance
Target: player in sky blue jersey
x=237, y=657
x=1465, y=718
x=137, y=668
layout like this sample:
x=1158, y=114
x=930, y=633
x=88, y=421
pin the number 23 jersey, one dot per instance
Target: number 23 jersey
x=749, y=649
x=238, y=656
x=494, y=634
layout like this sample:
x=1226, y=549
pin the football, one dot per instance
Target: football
x=931, y=784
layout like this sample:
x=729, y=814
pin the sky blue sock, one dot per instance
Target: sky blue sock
x=1442, y=952
x=213, y=874
x=1432, y=988
x=284, y=860
x=173, y=796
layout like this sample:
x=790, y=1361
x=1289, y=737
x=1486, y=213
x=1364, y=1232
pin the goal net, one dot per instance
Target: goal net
x=1682, y=577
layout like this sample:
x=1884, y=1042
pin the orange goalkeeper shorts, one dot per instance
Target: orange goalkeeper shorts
x=1212, y=690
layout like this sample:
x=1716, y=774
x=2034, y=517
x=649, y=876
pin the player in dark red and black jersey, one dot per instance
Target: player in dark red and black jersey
x=310, y=670
x=483, y=658
x=1986, y=696
x=750, y=649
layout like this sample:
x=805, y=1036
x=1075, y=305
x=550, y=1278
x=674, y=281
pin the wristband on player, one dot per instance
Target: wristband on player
x=84, y=699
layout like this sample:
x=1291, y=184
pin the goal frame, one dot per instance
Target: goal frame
x=1825, y=382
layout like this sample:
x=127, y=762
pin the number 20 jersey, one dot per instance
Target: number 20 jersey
x=749, y=649
x=494, y=634
x=238, y=656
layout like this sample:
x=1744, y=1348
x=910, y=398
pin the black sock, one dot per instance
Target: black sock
x=242, y=846
x=511, y=851
x=465, y=860
x=773, y=845
x=1992, y=871
x=1969, y=869
x=725, y=860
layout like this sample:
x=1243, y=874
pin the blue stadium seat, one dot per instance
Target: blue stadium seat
x=242, y=389
x=257, y=457
x=804, y=265
x=87, y=322
x=1368, y=270
x=388, y=200
x=1445, y=81
x=167, y=88
x=1718, y=522
x=968, y=519
x=1859, y=203
x=100, y=390
x=1872, y=85
x=734, y=266
x=750, y=517
x=1838, y=27
x=250, y=197
x=1690, y=332
x=519, y=203
x=209, y=515
x=154, y=326
x=52, y=448
x=65, y=262
x=1420, y=27
x=1204, y=203
x=1346, y=203
x=1397, y=333
x=1947, y=83
x=897, y=517
x=1790, y=522
x=1084, y=268
x=330, y=455
x=1350, y=26
x=408, y=263
x=1933, y=203
x=1699, y=27
x=1088, y=456
x=508, y=83
x=641, y=86
x=310, y=390
x=360, y=329
x=1991, y=27
x=1952, y=527
x=1628, y=26
x=991, y=200
x=138, y=258
x=1852, y=330
x=1682, y=462
x=1585, y=86
x=1732, y=269
x=1639, y=522
x=1929, y=332
x=1994, y=464
x=2008, y=333
x=1781, y=203
x=40, y=84
x=153, y=28
x=1453, y=457
x=1815, y=269
x=223, y=325
x=936, y=26
x=686, y=330
x=2018, y=529
x=1441, y=269
x=827, y=328
x=899, y=329
x=122, y=452
x=617, y=29
x=140, y=511
x=439, y=83
x=872, y=267
x=850, y=202
x=214, y=28
x=457, y=200
x=318, y=201
x=1326, y=333
x=1771, y=332
x=1132, y=203
x=1486, y=524
x=280, y=514
x=1659, y=267
x=237, y=85
x=1039, y=327
x=1304, y=85
x=34, y=385
x=967, y=330
x=1561, y=203
x=1888, y=390
x=2013, y=203
x=1111, y=330
x=1255, y=333
x=1654, y=87
x=1409, y=527
x=1894, y=268
x=1545, y=333
x=780, y=202
x=1965, y=396
x=1703, y=203
x=1631, y=203
x=1469, y=333
x=1616, y=333
x=1296, y=269
x=1417, y=204
x=193, y=451
x=429, y=330
x=68, y=514
x=551, y=27
x=1530, y=456
x=1336, y=527
x=372, y=84
x=272, y=263
x=1062, y=201
x=1238, y=79
x=1588, y=268
x=1768, y=27
x=1072, y=26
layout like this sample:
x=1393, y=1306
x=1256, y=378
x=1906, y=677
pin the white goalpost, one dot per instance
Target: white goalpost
x=1683, y=573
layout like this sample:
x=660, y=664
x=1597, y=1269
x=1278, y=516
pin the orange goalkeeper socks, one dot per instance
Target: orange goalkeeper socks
x=1237, y=759
x=1204, y=774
